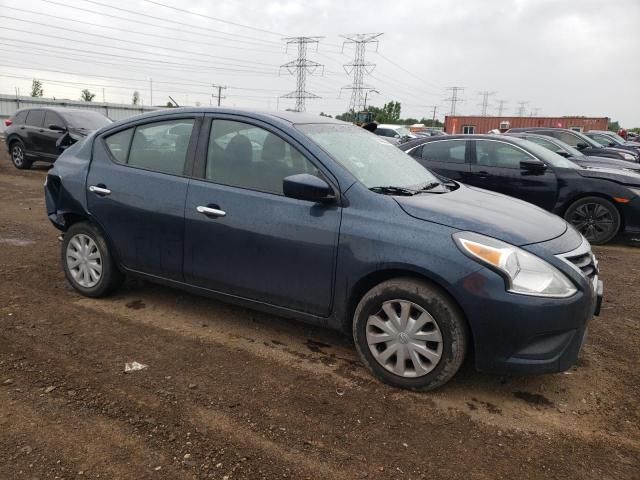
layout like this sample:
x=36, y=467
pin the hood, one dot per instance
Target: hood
x=488, y=213
x=625, y=177
x=605, y=162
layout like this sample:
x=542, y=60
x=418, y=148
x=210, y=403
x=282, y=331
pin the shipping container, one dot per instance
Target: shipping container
x=477, y=124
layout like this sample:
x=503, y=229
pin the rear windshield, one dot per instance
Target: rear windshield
x=84, y=120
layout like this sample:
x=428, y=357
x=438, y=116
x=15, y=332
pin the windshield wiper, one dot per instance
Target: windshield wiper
x=430, y=186
x=390, y=190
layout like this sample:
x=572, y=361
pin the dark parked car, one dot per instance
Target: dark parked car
x=598, y=202
x=575, y=155
x=40, y=134
x=612, y=139
x=581, y=142
x=312, y=218
x=430, y=132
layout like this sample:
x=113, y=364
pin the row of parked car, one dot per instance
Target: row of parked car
x=308, y=217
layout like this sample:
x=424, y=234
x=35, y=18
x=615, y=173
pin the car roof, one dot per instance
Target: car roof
x=446, y=138
x=389, y=125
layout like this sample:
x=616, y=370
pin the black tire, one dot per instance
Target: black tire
x=18, y=155
x=448, y=319
x=110, y=277
x=595, y=217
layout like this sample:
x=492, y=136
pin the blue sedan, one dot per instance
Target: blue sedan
x=307, y=217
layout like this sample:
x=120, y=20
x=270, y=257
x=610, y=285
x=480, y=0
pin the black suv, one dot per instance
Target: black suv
x=41, y=134
x=583, y=143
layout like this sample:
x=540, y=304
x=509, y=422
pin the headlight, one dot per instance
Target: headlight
x=629, y=157
x=524, y=273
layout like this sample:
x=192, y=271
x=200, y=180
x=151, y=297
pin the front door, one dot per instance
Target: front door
x=137, y=190
x=48, y=138
x=243, y=237
x=497, y=168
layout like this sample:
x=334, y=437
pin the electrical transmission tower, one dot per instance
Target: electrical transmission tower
x=501, y=104
x=358, y=67
x=485, y=101
x=534, y=112
x=454, y=99
x=300, y=67
x=521, y=108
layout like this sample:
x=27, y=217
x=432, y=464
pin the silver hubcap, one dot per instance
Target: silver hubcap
x=404, y=338
x=84, y=261
x=17, y=155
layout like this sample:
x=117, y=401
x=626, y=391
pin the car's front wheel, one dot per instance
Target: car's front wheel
x=18, y=157
x=596, y=218
x=87, y=262
x=410, y=334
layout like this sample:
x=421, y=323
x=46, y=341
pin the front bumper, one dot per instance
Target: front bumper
x=519, y=334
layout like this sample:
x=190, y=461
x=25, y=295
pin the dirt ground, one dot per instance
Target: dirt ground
x=230, y=393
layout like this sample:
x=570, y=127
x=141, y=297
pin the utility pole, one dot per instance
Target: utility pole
x=521, y=108
x=434, y=108
x=501, y=104
x=485, y=101
x=366, y=94
x=358, y=67
x=454, y=99
x=220, y=88
x=300, y=67
x=103, y=100
x=151, y=91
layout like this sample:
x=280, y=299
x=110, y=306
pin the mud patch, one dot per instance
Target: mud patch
x=534, y=398
x=316, y=347
x=136, y=305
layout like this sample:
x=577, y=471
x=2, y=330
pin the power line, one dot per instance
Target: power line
x=406, y=71
x=107, y=37
x=454, y=99
x=300, y=67
x=485, y=101
x=147, y=34
x=228, y=22
x=358, y=67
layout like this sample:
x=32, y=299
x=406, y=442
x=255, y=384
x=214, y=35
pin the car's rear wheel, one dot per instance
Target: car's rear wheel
x=596, y=218
x=410, y=334
x=18, y=157
x=87, y=262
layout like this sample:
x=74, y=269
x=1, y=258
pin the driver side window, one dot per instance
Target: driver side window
x=499, y=154
x=243, y=155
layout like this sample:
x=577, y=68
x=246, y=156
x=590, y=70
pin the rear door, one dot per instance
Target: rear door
x=32, y=127
x=497, y=167
x=449, y=158
x=260, y=245
x=137, y=187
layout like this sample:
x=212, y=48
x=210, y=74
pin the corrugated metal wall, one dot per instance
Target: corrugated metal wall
x=115, y=111
x=485, y=124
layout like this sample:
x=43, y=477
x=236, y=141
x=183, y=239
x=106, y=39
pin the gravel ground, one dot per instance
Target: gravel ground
x=230, y=393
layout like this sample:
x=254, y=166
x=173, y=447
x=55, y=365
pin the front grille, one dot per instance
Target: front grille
x=583, y=259
x=586, y=263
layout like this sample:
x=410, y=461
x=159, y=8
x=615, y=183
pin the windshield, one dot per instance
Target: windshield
x=402, y=131
x=556, y=145
x=550, y=157
x=85, y=120
x=372, y=160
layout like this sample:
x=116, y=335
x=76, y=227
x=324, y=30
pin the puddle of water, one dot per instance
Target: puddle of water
x=16, y=242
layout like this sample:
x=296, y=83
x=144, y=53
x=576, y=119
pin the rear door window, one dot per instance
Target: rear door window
x=20, y=118
x=118, y=144
x=161, y=146
x=448, y=151
x=35, y=118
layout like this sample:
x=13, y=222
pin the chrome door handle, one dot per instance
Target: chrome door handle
x=211, y=212
x=99, y=190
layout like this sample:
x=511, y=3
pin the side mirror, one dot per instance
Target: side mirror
x=581, y=146
x=307, y=187
x=56, y=128
x=563, y=153
x=533, y=166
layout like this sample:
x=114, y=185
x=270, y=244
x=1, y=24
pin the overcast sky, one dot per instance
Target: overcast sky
x=563, y=57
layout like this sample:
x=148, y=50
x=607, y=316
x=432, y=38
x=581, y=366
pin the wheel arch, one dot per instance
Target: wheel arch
x=371, y=279
x=71, y=218
x=565, y=206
